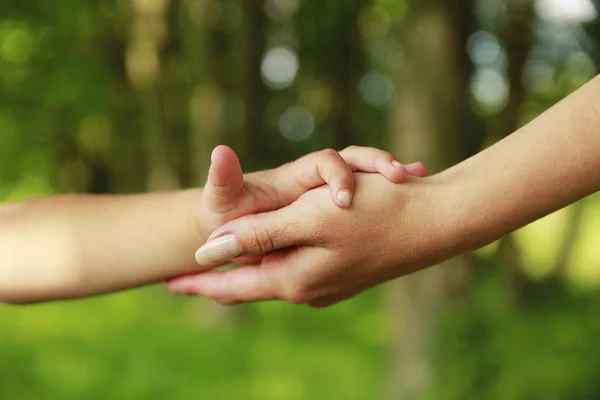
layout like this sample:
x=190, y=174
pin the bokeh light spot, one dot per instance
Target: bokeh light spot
x=483, y=48
x=279, y=68
x=296, y=123
x=490, y=89
x=376, y=89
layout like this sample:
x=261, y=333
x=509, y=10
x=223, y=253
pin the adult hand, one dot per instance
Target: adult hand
x=320, y=254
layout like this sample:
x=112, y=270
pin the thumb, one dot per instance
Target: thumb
x=254, y=234
x=225, y=180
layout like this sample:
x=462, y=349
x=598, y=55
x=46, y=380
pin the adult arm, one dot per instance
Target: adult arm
x=548, y=164
x=390, y=231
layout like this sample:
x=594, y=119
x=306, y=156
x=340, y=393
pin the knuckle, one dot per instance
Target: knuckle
x=296, y=294
x=314, y=209
x=387, y=155
x=330, y=153
x=263, y=239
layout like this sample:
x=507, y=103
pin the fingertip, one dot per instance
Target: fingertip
x=416, y=169
x=218, y=251
x=401, y=175
x=221, y=153
x=342, y=188
x=181, y=285
x=225, y=169
x=343, y=198
x=396, y=174
x=224, y=160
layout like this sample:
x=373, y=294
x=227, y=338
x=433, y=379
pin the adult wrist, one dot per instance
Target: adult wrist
x=450, y=204
x=472, y=219
x=428, y=229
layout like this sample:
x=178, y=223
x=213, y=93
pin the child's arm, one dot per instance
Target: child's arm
x=75, y=245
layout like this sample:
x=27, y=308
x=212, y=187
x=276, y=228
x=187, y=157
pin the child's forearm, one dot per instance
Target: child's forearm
x=548, y=164
x=74, y=246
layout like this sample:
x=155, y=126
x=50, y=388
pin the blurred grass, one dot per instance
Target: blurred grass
x=146, y=344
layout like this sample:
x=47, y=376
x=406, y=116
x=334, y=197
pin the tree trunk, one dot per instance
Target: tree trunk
x=254, y=140
x=433, y=124
x=144, y=68
x=349, y=66
x=517, y=36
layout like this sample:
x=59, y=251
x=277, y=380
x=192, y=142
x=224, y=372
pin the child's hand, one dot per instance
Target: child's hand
x=229, y=194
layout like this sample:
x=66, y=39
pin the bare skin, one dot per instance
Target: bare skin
x=74, y=246
x=321, y=255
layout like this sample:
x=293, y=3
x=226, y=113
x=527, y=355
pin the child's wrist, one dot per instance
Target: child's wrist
x=196, y=218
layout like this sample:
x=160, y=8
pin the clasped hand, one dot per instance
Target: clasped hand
x=294, y=244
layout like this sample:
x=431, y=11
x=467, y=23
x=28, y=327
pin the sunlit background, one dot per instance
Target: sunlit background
x=124, y=96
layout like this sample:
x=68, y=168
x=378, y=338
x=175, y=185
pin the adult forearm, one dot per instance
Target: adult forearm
x=548, y=164
x=73, y=246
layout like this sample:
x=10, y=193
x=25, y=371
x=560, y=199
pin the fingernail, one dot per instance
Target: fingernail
x=344, y=197
x=218, y=250
x=396, y=164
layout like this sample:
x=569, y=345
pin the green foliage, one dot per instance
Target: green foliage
x=491, y=349
x=109, y=96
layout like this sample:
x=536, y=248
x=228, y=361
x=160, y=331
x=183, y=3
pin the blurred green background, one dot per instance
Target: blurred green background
x=125, y=96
